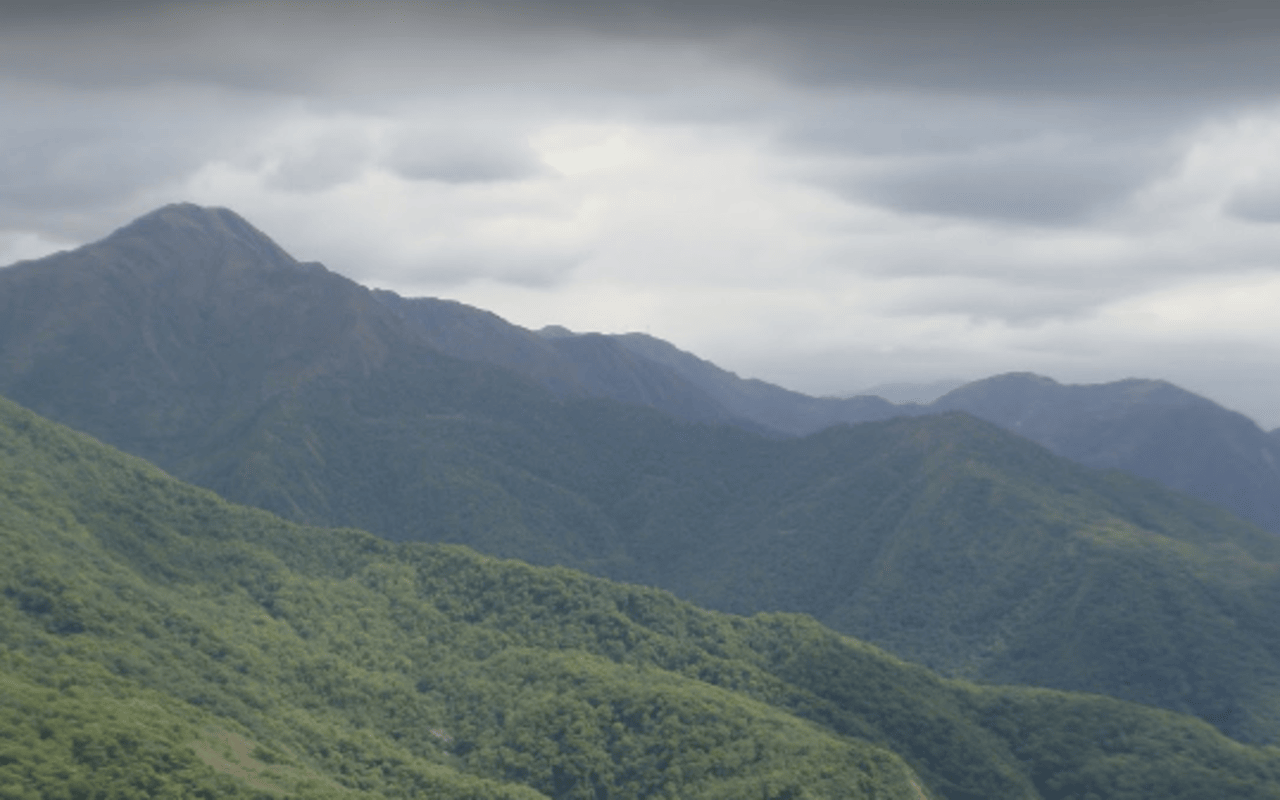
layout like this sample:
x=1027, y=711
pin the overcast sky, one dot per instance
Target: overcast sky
x=823, y=195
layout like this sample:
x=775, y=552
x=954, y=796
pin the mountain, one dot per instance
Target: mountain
x=178, y=325
x=590, y=365
x=772, y=406
x=630, y=368
x=1149, y=428
x=1145, y=427
x=158, y=641
x=227, y=275
x=191, y=340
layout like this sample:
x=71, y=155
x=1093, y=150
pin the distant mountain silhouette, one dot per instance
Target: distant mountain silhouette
x=1147, y=427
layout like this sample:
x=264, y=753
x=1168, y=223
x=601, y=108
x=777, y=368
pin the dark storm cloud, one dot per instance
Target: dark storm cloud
x=1177, y=47
x=62, y=12
x=1136, y=72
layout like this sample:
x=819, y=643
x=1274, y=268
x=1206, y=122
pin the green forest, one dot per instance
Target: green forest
x=160, y=642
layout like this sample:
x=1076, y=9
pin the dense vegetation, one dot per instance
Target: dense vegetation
x=158, y=641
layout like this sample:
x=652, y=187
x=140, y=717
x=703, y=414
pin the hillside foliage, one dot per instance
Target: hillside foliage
x=158, y=641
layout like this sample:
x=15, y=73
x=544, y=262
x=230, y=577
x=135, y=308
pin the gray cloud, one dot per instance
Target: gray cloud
x=1257, y=202
x=329, y=159
x=1007, y=302
x=1049, y=184
x=68, y=156
x=863, y=78
x=460, y=156
x=53, y=173
x=1210, y=49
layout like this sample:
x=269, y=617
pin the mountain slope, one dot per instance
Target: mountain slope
x=776, y=408
x=189, y=338
x=1148, y=428
x=569, y=366
x=944, y=538
x=960, y=546
x=159, y=640
x=180, y=322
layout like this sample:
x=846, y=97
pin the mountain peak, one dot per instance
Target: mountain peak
x=1022, y=387
x=192, y=217
x=186, y=232
x=555, y=332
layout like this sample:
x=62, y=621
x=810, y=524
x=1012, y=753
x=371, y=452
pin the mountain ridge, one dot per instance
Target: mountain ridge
x=589, y=365
x=1150, y=428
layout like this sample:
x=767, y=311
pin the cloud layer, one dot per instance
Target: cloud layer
x=828, y=195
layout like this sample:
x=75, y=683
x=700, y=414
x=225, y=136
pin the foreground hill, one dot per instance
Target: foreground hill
x=190, y=339
x=157, y=641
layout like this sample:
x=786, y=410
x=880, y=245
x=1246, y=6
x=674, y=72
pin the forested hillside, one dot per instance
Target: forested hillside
x=159, y=641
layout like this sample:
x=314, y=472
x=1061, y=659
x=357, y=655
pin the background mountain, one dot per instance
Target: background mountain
x=190, y=339
x=157, y=641
x=569, y=365
x=1149, y=428
x=772, y=406
x=121, y=321
x=1146, y=427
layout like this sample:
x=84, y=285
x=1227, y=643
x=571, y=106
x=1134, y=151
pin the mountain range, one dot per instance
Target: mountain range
x=157, y=641
x=1149, y=428
x=190, y=339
